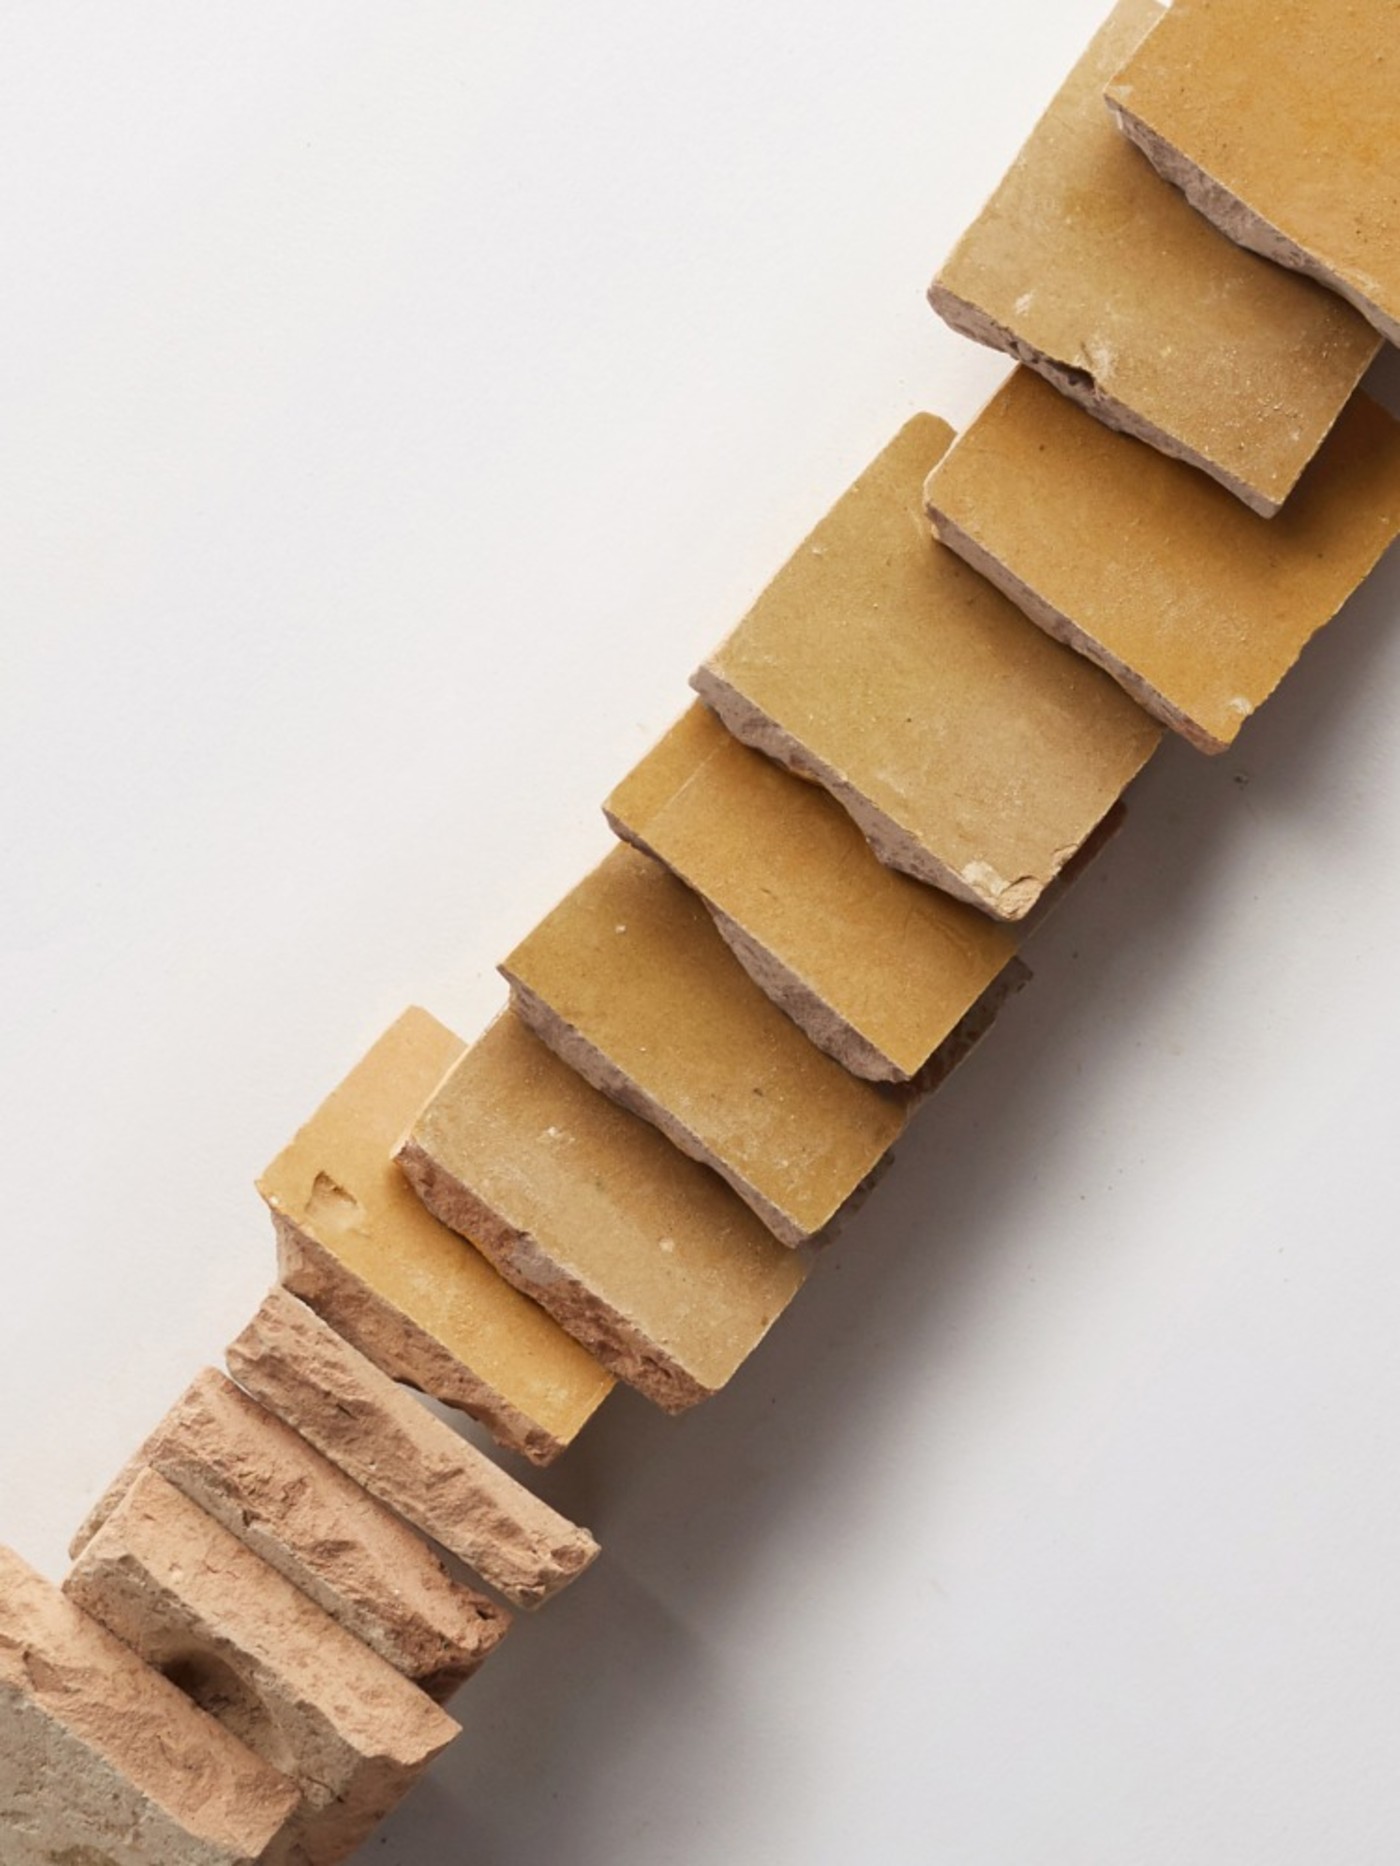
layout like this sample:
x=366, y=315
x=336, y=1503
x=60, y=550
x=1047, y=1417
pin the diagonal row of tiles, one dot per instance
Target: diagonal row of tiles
x=902, y=756
x=1085, y=268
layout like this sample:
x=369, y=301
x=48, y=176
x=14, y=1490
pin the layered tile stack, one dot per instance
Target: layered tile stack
x=824, y=873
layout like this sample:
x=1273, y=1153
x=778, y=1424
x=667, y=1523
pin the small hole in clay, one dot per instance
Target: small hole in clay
x=218, y=1689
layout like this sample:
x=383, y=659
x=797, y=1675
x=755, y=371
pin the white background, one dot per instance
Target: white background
x=395, y=403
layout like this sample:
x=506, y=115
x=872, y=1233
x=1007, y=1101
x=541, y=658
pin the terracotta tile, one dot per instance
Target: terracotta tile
x=304, y=1517
x=876, y=968
x=390, y=1443
x=263, y=1659
x=101, y=1758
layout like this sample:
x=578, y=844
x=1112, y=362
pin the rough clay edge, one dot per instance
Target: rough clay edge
x=150, y=1796
x=1063, y=630
x=399, y=1347
x=253, y=1360
x=820, y=1022
x=524, y=1263
x=1240, y=222
x=440, y=1679
x=895, y=846
x=1080, y=386
x=573, y=1048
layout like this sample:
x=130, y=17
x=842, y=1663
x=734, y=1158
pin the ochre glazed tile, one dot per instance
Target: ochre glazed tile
x=973, y=752
x=631, y=982
x=1281, y=121
x=1196, y=605
x=644, y=1254
x=358, y=1247
x=878, y=969
x=303, y=1516
x=1087, y=266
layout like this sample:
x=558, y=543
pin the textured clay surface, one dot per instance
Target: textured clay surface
x=1281, y=121
x=357, y=1247
x=105, y=1763
x=640, y=1251
x=1197, y=606
x=266, y=1485
x=875, y=967
x=255, y=1652
x=1087, y=266
x=630, y=981
x=973, y=752
x=389, y=1442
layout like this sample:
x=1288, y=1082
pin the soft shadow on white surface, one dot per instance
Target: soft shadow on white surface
x=708, y=1522
x=398, y=402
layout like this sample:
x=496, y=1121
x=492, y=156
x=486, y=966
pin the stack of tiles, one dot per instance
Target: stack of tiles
x=357, y=1247
x=630, y=982
x=1085, y=267
x=974, y=754
x=308, y=1697
x=823, y=878
x=257, y=1585
x=356, y=1416
x=1206, y=97
x=103, y=1759
x=882, y=973
x=303, y=1516
x=646, y=1256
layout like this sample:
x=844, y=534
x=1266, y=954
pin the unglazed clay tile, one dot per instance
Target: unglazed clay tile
x=403, y=1454
x=104, y=1760
x=300, y=1691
